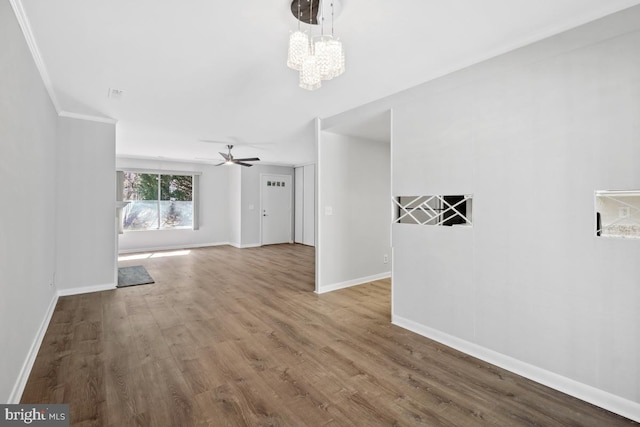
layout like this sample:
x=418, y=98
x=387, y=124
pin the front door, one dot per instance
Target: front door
x=275, y=192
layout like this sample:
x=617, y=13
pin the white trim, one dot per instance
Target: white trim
x=267, y=163
x=87, y=117
x=205, y=162
x=391, y=207
x=195, y=202
x=301, y=165
x=23, y=21
x=21, y=381
x=86, y=289
x=159, y=171
x=241, y=246
x=318, y=218
x=353, y=282
x=173, y=247
x=601, y=398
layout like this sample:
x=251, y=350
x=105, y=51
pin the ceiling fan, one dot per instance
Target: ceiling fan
x=230, y=160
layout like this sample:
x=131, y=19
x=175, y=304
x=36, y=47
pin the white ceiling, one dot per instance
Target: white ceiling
x=205, y=69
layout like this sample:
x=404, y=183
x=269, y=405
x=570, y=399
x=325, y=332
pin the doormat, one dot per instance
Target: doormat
x=131, y=276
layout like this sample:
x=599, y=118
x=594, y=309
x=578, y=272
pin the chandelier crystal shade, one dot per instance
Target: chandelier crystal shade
x=321, y=49
x=337, y=57
x=298, y=49
x=310, y=74
x=317, y=58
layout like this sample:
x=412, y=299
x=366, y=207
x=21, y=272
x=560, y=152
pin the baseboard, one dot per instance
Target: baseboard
x=354, y=282
x=590, y=394
x=240, y=246
x=21, y=382
x=172, y=247
x=86, y=289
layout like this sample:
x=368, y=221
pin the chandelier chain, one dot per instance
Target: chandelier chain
x=322, y=17
x=331, y=18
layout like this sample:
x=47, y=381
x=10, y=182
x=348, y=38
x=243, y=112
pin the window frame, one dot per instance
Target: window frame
x=195, y=195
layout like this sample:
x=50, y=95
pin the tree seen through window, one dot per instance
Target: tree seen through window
x=157, y=201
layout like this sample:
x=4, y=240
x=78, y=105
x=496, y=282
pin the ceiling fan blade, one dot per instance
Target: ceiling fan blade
x=243, y=164
x=226, y=156
x=220, y=164
x=248, y=159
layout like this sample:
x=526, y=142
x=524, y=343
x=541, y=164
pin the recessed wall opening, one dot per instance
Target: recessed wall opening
x=618, y=214
x=434, y=210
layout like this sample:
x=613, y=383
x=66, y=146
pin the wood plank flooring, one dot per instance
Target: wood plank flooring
x=237, y=337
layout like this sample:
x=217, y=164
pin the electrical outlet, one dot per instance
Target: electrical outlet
x=385, y=258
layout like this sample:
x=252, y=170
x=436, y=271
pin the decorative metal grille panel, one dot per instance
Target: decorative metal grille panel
x=434, y=210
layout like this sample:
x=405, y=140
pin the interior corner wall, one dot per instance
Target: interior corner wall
x=28, y=122
x=250, y=201
x=354, y=211
x=305, y=205
x=235, y=206
x=298, y=203
x=531, y=134
x=85, y=215
x=309, y=205
x=213, y=204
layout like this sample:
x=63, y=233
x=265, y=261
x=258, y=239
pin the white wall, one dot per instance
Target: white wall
x=309, y=206
x=28, y=123
x=250, y=201
x=227, y=194
x=213, y=203
x=355, y=185
x=298, y=198
x=235, y=205
x=305, y=204
x=85, y=249
x=531, y=135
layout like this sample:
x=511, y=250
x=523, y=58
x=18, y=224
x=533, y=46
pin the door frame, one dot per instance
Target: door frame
x=291, y=207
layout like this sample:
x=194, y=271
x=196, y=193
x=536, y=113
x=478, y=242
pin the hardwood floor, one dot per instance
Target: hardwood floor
x=237, y=337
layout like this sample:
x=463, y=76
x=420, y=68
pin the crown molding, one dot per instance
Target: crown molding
x=87, y=117
x=23, y=21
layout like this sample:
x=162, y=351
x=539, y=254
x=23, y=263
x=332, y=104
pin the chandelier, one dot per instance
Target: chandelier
x=317, y=58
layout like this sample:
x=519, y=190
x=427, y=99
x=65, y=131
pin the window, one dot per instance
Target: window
x=434, y=210
x=618, y=214
x=158, y=201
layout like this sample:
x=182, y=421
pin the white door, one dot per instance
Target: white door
x=276, y=192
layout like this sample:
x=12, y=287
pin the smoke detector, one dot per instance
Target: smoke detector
x=115, y=93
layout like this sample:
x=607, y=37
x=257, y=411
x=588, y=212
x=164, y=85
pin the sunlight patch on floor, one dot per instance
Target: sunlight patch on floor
x=148, y=255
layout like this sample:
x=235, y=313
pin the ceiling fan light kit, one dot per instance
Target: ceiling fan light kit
x=317, y=58
x=230, y=160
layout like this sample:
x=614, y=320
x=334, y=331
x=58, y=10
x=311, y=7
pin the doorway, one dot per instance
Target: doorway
x=275, y=199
